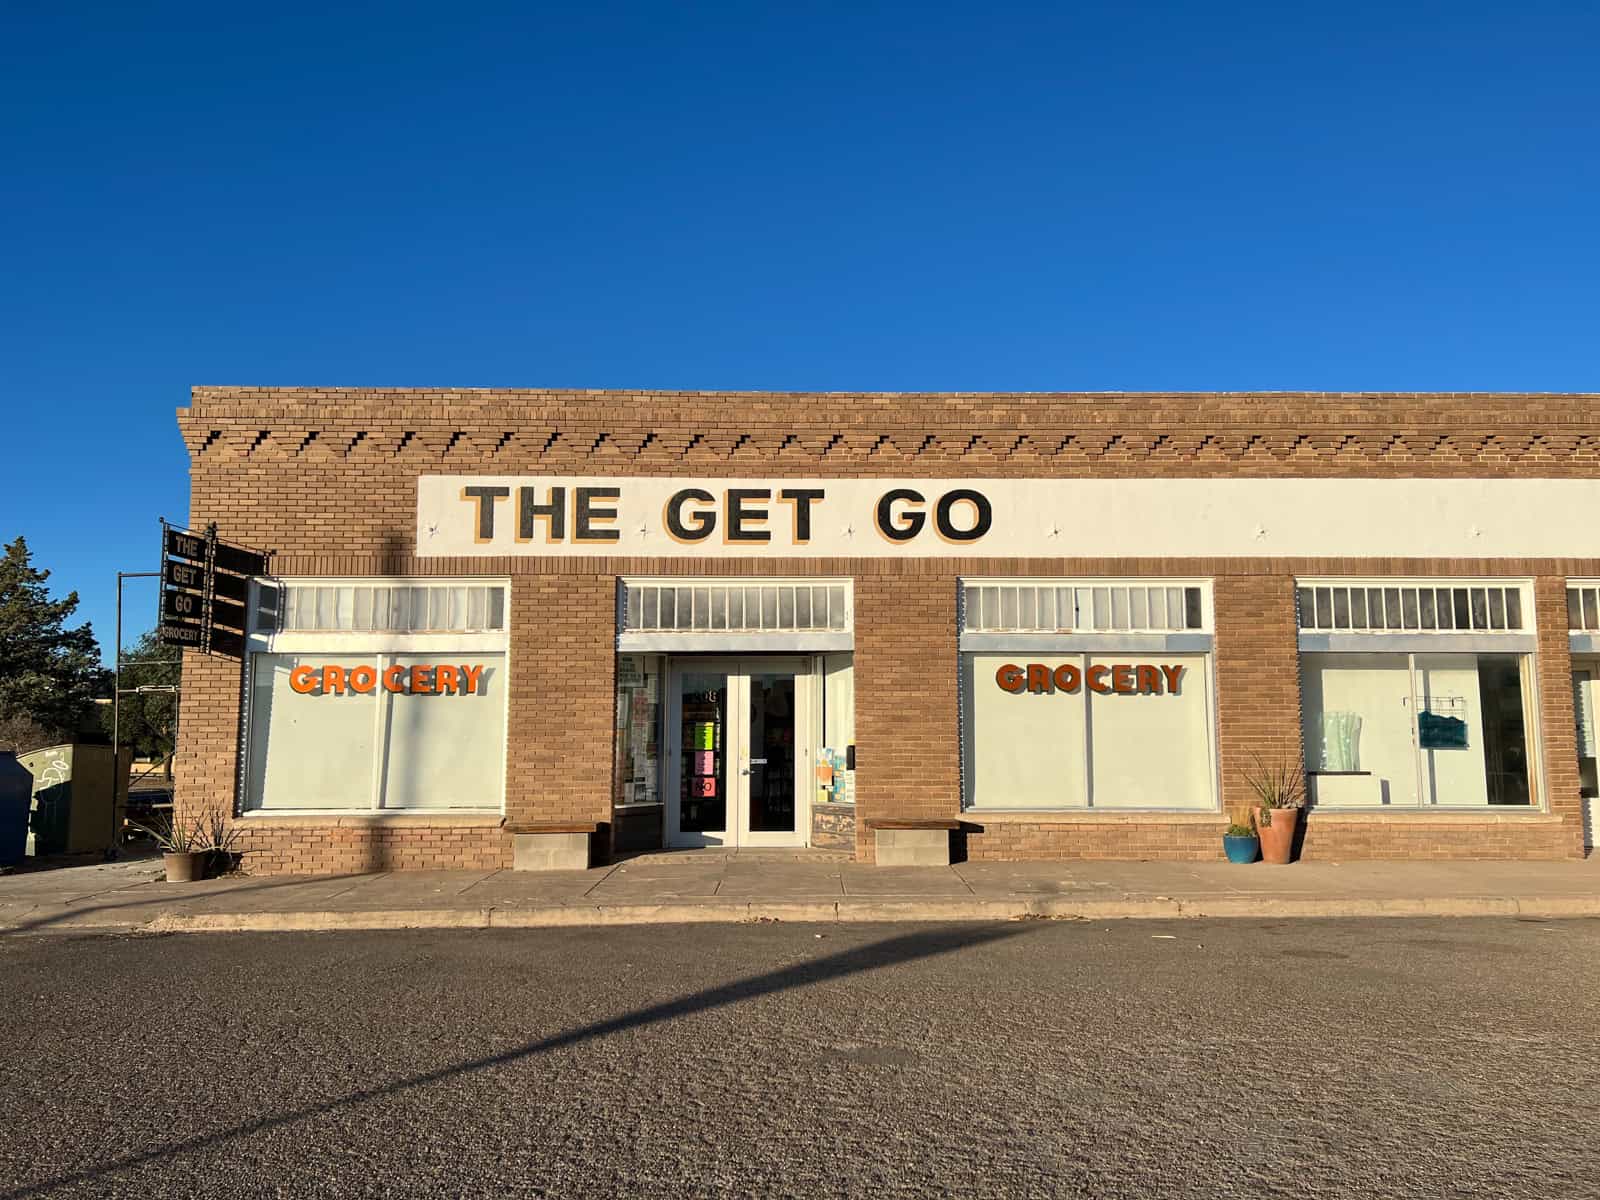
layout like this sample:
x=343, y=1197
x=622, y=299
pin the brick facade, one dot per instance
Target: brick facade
x=326, y=480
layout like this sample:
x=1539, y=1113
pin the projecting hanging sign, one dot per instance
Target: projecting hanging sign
x=575, y=517
x=204, y=585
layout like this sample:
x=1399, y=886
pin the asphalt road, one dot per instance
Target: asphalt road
x=1306, y=1059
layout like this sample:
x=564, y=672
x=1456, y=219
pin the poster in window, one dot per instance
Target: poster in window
x=1436, y=731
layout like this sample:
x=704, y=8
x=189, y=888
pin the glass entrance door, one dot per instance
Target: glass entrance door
x=769, y=791
x=700, y=697
x=738, y=736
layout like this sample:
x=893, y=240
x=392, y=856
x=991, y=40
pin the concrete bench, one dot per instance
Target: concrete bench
x=912, y=841
x=552, y=845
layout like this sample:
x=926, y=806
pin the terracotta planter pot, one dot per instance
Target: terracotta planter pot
x=1277, y=839
x=183, y=868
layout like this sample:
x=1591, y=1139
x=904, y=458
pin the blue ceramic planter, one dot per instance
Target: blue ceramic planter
x=1242, y=849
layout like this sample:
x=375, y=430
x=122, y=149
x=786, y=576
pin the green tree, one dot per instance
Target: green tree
x=49, y=674
x=149, y=718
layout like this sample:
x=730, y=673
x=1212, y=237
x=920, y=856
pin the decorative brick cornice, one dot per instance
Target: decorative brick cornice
x=879, y=432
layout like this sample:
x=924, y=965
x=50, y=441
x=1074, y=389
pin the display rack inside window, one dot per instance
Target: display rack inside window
x=703, y=795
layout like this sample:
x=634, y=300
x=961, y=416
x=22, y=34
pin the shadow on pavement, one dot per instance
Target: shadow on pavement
x=66, y=918
x=890, y=952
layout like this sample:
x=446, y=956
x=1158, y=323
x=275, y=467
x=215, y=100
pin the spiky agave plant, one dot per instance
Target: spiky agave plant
x=1279, y=784
x=174, y=836
x=221, y=834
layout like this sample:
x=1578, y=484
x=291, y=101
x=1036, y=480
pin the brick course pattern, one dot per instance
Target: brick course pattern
x=326, y=480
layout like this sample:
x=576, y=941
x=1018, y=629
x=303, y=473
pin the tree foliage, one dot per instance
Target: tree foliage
x=49, y=673
x=149, y=719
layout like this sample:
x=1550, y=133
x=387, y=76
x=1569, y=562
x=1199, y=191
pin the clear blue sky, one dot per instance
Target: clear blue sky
x=831, y=196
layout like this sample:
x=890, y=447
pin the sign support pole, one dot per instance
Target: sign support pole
x=210, y=588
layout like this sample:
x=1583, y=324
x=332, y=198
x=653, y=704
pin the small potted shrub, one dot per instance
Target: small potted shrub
x=1280, y=790
x=1241, y=844
x=183, y=845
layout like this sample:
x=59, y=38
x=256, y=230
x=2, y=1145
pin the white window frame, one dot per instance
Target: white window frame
x=1083, y=644
x=715, y=641
x=1412, y=642
x=1423, y=641
x=660, y=663
x=1146, y=638
x=1583, y=641
x=259, y=640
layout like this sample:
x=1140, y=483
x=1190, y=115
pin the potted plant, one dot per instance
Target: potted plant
x=221, y=835
x=1240, y=843
x=183, y=846
x=1280, y=789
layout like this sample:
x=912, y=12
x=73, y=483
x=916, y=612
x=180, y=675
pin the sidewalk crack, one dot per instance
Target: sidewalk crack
x=610, y=871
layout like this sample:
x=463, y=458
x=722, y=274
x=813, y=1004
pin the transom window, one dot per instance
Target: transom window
x=1382, y=607
x=1081, y=606
x=408, y=607
x=734, y=607
x=1583, y=607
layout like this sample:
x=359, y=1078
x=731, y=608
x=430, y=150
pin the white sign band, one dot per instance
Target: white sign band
x=589, y=516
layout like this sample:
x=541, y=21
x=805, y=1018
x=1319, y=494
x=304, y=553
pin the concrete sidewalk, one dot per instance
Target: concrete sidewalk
x=701, y=886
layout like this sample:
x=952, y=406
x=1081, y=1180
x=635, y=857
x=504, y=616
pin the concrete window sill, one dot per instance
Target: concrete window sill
x=1447, y=816
x=1089, y=816
x=335, y=820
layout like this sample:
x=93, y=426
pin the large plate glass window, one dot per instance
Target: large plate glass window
x=376, y=694
x=1583, y=635
x=1087, y=694
x=836, y=774
x=308, y=751
x=1417, y=693
x=638, y=753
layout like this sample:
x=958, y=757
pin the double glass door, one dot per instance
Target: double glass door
x=736, y=729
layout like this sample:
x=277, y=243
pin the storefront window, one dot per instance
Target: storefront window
x=376, y=693
x=836, y=775
x=1583, y=640
x=445, y=749
x=354, y=731
x=638, y=766
x=1416, y=729
x=309, y=751
x=1152, y=748
x=1087, y=730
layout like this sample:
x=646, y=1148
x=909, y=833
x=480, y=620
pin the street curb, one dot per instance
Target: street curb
x=882, y=910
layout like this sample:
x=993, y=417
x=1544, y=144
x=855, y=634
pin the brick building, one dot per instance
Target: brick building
x=1066, y=621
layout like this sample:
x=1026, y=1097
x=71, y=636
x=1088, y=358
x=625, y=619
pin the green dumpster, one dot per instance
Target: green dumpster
x=78, y=798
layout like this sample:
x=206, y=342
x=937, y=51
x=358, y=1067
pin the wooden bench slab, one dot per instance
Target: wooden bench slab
x=555, y=827
x=912, y=823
